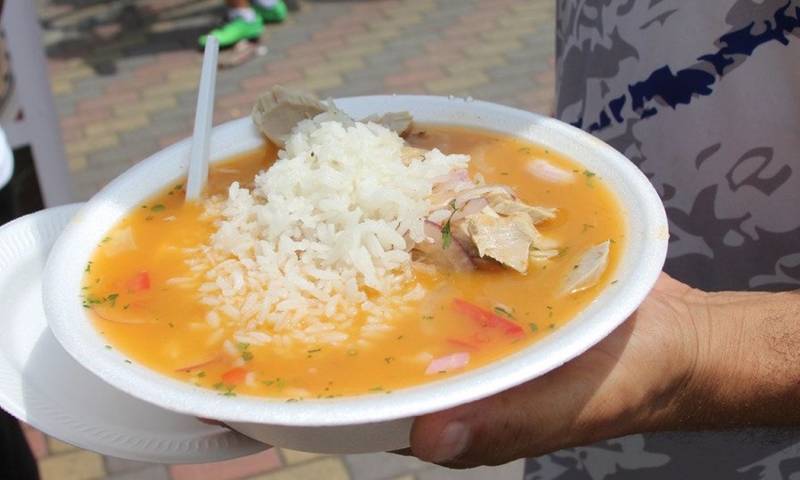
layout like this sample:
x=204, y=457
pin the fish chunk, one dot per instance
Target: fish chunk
x=398, y=122
x=537, y=214
x=279, y=110
x=588, y=270
x=505, y=239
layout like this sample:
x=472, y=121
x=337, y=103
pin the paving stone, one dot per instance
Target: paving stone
x=295, y=456
x=511, y=471
x=328, y=468
x=383, y=465
x=75, y=465
x=151, y=472
x=120, y=465
x=55, y=445
x=230, y=469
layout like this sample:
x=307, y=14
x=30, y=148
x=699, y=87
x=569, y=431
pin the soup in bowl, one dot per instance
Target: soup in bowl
x=327, y=290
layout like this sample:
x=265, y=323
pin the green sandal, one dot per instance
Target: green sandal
x=274, y=14
x=235, y=31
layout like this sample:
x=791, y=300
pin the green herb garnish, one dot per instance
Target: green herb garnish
x=447, y=237
x=447, y=234
x=503, y=311
x=534, y=328
x=112, y=298
x=88, y=267
x=247, y=356
x=589, y=175
x=159, y=207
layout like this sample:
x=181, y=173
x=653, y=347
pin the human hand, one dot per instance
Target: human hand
x=674, y=364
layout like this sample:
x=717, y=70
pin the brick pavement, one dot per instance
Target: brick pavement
x=124, y=75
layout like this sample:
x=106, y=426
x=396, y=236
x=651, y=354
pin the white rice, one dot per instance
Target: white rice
x=328, y=226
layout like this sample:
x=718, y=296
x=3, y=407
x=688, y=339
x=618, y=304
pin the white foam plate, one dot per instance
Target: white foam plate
x=42, y=385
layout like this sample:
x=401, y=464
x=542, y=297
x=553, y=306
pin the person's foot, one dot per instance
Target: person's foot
x=236, y=30
x=274, y=13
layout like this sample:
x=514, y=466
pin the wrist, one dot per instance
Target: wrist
x=742, y=364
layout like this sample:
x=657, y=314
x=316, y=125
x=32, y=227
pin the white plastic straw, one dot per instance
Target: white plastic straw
x=198, y=157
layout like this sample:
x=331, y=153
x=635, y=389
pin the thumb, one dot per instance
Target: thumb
x=510, y=425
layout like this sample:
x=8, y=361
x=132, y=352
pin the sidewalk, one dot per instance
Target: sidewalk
x=125, y=74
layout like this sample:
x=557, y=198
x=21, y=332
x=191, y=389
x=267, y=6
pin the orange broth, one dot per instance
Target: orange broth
x=162, y=326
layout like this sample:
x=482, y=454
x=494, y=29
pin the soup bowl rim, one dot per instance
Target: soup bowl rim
x=637, y=273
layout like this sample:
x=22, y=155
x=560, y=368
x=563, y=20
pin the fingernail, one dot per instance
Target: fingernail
x=452, y=442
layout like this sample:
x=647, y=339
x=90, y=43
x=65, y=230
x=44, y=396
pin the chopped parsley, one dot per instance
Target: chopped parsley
x=128, y=362
x=227, y=390
x=88, y=267
x=447, y=234
x=589, y=176
x=105, y=239
x=108, y=347
x=247, y=355
x=534, y=328
x=502, y=311
x=112, y=298
x=279, y=383
x=159, y=207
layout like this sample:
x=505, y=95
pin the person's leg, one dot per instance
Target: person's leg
x=271, y=11
x=243, y=24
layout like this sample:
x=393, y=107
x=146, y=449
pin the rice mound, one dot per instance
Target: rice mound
x=324, y=235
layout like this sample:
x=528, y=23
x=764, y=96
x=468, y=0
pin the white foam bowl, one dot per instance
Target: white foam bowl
x=366, y=423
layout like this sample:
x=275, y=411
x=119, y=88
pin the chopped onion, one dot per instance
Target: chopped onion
x=448, y=363
x=549, y=172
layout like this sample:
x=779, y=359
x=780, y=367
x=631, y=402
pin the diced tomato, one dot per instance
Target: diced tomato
x=234, y=376
x=486, y=318
x=139, y=282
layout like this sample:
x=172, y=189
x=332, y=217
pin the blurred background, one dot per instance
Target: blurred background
x=117, y=82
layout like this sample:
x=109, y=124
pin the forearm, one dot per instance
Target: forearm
x=745, y=369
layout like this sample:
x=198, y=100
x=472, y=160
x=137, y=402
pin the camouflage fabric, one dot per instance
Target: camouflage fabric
x=704, y=96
